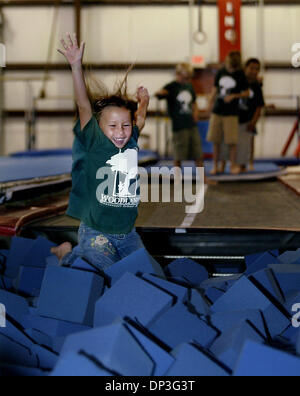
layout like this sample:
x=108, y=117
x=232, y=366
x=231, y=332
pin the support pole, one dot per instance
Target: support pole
x=2, y=127
x=191, y=30
x=261, y=33
x=77, y=4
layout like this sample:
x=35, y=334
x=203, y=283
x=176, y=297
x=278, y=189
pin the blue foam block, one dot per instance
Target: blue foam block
x=78, y=365
x=12, y=352
x=57, y=344
x=212, y=294
x=4, y=253
x=178, y=280
x=267, y=281
x=16, y=334
x=19, y=248
x=261, y=360
x=161, y=358
x=245, y=295
x=251, y=258
x=290, y=257
x=242, y=295
x=298, y=343
x=16, y=306
x=81, y=264
x=288, y=277
x=176, y=290
x=292, y=298
x=29, y=281
x=8, y=370
x=115, y=347
x=192, y=362
x=223, y=283
x=7, y=283
x=51, y=327
x=52, y=260
x=193, y=272
x=291, y=335
x=131, y=296
x=40, y=338
x=138, y=262
x=198, y=303
x=37, y=255
x=47, y=359
x=229, y=345
x=261, y=263
x=226, y=320
x=69, y=295
x=276, y=321
x=178, y=325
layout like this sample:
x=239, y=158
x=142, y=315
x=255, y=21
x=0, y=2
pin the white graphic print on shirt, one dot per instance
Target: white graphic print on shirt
x=123, y=175
x=185, y=99
x=226, y=83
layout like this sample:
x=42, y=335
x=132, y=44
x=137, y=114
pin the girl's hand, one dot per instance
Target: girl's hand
x=72, y=53
x=143, y=95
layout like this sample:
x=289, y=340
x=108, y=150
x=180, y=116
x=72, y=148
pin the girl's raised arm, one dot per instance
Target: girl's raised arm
x=74, y=56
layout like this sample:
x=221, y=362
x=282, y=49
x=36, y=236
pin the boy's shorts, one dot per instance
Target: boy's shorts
x=244, y=147
x=223, y=128
x=187, y=145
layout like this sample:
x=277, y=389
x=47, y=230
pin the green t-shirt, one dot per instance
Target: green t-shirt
x=105, y=192
x=180, y=105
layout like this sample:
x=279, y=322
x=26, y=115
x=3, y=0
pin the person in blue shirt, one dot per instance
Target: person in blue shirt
x=105, y=192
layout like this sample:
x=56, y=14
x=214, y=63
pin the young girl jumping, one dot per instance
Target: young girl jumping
x=105, y=192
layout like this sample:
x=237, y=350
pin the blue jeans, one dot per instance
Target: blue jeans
x=102, y=250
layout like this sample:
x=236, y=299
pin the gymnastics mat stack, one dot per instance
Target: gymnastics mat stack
x=138, y=319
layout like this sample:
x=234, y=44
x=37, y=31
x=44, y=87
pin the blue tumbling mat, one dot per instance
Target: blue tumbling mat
x=23, y=168
x=262, y=170
x=42, y=153
x=46, y=163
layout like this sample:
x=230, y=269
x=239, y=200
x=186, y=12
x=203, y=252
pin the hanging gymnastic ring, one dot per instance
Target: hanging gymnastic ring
x=200, y=37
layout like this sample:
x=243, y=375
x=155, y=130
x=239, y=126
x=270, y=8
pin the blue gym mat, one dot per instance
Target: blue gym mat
x=42, y=153
x=262, y=171
x=46, y=163
x=144, y=155
x=23, y=168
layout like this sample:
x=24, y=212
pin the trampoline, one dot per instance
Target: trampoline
x=262, y=171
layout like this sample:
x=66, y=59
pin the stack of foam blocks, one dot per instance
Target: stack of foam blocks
x=136, y=319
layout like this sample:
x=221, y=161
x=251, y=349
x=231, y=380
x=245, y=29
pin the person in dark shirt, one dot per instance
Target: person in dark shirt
x=249, y=114
x=230, y=86
x=183, y=111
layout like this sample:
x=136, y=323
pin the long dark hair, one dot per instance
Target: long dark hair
x=100, y=97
